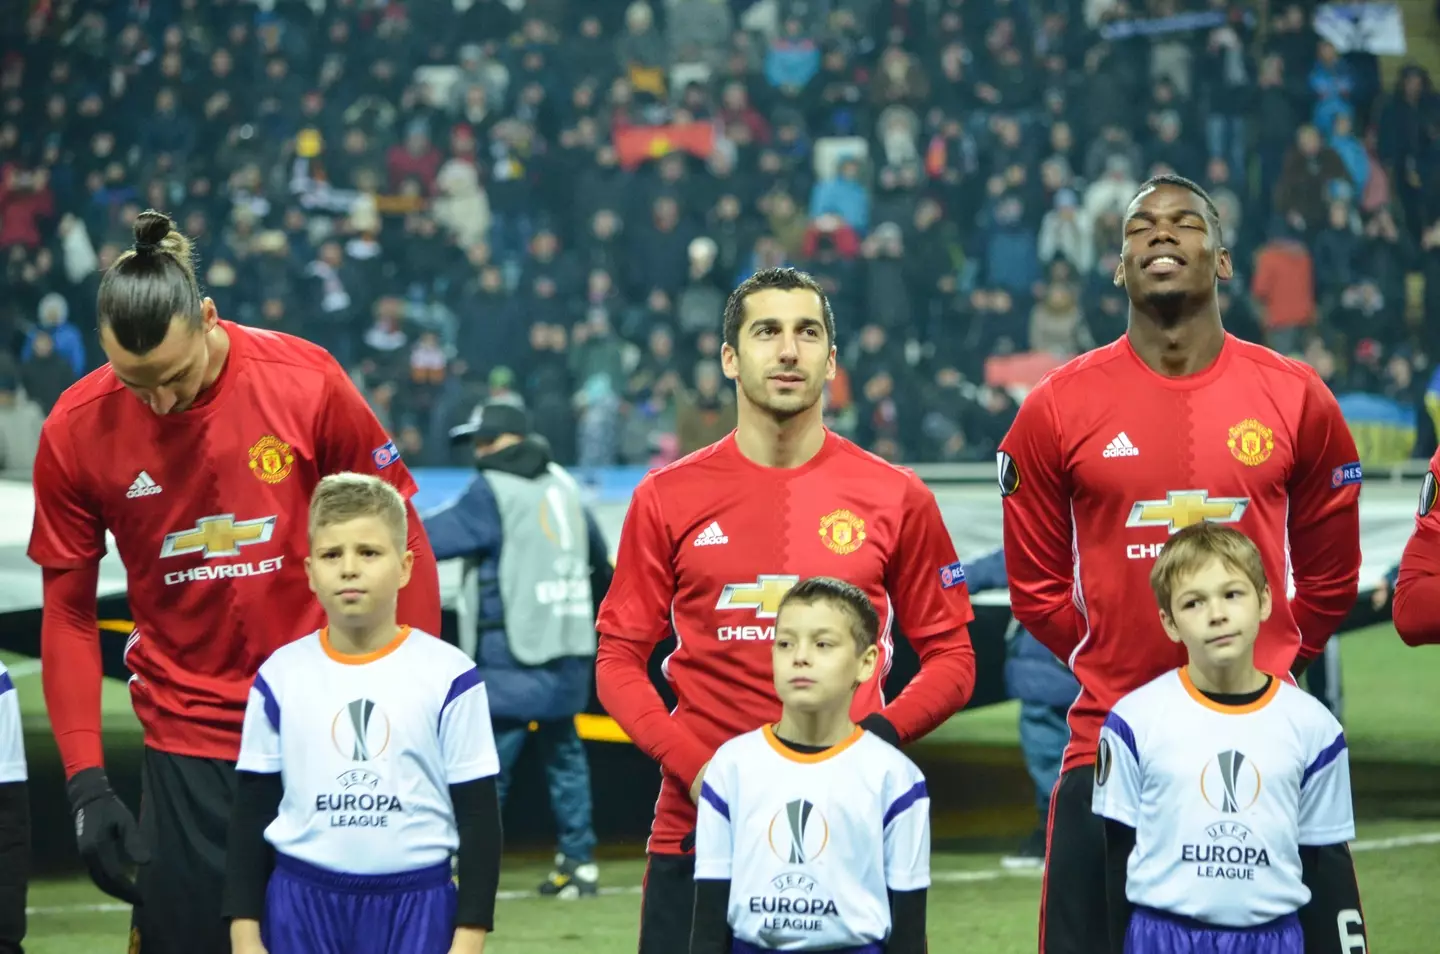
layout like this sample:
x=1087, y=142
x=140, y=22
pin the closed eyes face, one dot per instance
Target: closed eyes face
x=1171, y=244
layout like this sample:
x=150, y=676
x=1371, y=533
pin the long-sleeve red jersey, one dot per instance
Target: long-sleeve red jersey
x=1417, y=590
x=711, y=544
x=209, y=511
x=1107, y=458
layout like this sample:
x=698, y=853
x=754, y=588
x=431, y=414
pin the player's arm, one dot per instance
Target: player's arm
x=1038, y=525
x=1324, y=521
x=1417, y=588
x=14, y=821
x=249, y=858
x=1119, y=843
x=634, y=618
x=1116, y=799
x=927, y=584
x=1333, y=920
x=907, y=861
x=710, y=931
x=67, y=540
x=467, y=745
x=350, y=438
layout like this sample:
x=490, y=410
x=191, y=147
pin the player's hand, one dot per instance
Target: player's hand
x=106, y=834
x=881, y=727
x=695, y=785
x=468, y=940
x=1381, y=597
x=245, y=937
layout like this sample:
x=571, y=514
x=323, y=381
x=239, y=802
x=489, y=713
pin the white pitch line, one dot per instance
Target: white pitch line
x=943, y=877
x=27, y=668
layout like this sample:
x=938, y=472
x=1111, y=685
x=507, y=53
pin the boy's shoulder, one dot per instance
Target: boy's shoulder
x=293, y=655
x=1151, y=699
x=875, y=752
x=1307, y=711
x=436, y=655
x=740, y=750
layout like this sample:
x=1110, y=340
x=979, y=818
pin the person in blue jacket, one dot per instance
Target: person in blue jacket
x=1046, y=689
x=536, y=568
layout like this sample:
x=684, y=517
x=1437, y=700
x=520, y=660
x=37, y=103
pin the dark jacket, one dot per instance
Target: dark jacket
x=1032, y=673
x=472, y=528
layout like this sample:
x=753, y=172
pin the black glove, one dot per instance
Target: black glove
x=876, y=724
x=106, y=834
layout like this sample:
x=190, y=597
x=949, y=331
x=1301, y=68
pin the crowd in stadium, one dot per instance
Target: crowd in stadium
x=549, y=201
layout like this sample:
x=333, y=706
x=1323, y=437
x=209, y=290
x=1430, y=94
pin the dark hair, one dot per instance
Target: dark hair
x=150, y=285
x=1189, y=185
x=846, y=597
x=783, y=279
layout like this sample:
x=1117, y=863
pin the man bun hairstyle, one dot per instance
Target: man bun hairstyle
x=150, y=285
x=782, y=279
x=848, y=598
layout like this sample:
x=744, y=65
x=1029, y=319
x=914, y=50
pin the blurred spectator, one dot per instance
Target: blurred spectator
x=65, y=338
x=1284, y=288
x=20, y=423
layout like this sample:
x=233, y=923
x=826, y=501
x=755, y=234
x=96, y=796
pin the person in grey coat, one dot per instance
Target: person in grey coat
x=536, y=568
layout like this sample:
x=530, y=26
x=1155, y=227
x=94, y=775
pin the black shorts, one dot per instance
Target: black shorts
x=1072, y=899
x=184, y=817
x=667, y=904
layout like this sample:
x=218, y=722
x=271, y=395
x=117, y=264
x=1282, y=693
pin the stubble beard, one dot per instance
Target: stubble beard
x=784, y=407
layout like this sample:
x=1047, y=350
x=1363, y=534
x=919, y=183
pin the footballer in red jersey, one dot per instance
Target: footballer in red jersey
x=1175, y=423
x=197, y=446
x=712, y=542
x=1417, y=588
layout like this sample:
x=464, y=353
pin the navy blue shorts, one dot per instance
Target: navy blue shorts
x=744, y=947
x=1156, y=932
x=310, y=910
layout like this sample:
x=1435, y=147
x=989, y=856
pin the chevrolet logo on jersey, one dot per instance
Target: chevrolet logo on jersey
x=1183, y=508
x=218, y=536
x=763, y=596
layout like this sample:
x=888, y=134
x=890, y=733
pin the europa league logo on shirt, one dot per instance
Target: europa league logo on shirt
x=1103, y=760
x=1008, y=474
x=360, y=731
x=807, y=830
x=1230, y=782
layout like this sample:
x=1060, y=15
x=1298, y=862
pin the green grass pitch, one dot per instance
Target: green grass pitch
x=1393, y=725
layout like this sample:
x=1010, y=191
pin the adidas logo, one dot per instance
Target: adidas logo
x=711, y=536
x=144, y=486
x=1121, y=447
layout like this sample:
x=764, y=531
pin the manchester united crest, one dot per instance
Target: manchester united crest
x=270, y=459
x=1251, y=442
x=842, y=531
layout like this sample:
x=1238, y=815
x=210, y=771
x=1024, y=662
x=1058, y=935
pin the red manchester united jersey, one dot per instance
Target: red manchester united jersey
x=711, y=544
x=1417, y=588
x=1107, y=458
x=208, y=509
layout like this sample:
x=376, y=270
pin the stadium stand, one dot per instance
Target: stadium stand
x=549, y=200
